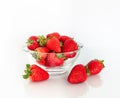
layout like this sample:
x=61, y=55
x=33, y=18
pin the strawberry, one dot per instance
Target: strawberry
x=64, y=37
x=35, y=73
x=54, y=34
x=40, y=55
x=34, y=38
x=41, y=61
x=53, y=44
x=42, y=52
x=94, y=66
x=78, y=74
x=70, y=54
x=32, y=42
x=69, y=46
x=54, y=60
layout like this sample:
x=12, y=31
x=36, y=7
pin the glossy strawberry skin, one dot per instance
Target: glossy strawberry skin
x=70, y=45
x=54, y=34
x=70, y=55
x=95, y=66
x=53, y=60
x=41, y=54
x=64, y=37
x=41, y=61
x=77, y=75
x=34, y=38
x=53, y=44
x=42, y=51
x=32, y=43
x=35, y=73
x=38, y=74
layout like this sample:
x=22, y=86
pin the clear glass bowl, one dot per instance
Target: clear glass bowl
x=70, y=58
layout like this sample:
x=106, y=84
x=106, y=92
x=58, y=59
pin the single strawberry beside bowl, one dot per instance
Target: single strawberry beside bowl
x=35, y=73
x=94, y=66
x=78, y=74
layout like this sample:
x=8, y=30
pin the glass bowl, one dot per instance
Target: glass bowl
x=54, y=66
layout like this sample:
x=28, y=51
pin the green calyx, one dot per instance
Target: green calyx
x=36, y=55
x=102, y=61
x=42, y=40
x=27, y=71
x=60, y=55
x=61, y=44
x=87, y=70
x=29, y=42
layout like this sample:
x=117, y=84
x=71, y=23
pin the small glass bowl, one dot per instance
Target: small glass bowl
x=70, y=58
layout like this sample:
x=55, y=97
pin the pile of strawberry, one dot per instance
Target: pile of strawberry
x=78, y=74
x=50, y=50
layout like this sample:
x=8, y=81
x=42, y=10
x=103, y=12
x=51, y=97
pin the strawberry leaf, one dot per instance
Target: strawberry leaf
x=27, y=71
x=36, y=55
x=60, y=55
x=42, y=40
x=29, y=42
x=27, y=66
x=102, y=61
x=25, y=76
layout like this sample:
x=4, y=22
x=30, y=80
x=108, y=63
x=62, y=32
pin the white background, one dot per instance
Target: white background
x=95, y=23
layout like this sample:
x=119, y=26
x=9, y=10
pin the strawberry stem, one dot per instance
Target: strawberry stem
x=102, y=61
x=87, y=70
x=61, y=44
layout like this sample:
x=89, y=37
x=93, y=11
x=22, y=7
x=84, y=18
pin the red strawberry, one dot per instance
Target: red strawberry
x=54, y=34
x=63, y=38
x=94, y=66
x=53, y=44
x=40, y=54
x=70, y=54
x=54, y=60
x=70, y=45
x=41, y=61
x=35, y=73
x=34, y=38
x=32, y=42
x=78, y=74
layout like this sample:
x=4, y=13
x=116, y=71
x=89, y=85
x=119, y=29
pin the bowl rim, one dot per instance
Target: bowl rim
x=80, y=45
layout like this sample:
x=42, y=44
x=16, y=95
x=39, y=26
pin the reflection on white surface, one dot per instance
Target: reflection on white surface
x=75, y=90
x=94, y=81
x=55, y=86
x=58, y=86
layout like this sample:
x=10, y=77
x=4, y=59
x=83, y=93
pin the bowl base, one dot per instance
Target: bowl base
x=56, y=71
